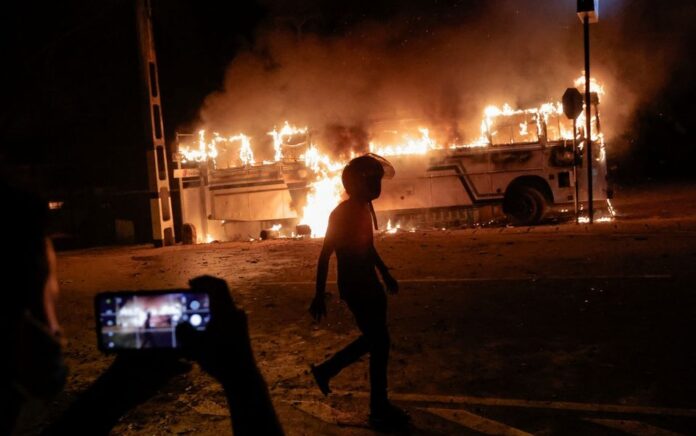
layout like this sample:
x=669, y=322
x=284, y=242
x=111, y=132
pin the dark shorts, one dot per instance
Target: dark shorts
x=362, y=285
x=369, y=307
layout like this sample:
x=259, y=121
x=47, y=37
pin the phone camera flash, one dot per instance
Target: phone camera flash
x=196, y=320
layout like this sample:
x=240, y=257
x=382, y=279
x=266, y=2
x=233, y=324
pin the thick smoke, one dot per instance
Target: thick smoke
x=426, y=70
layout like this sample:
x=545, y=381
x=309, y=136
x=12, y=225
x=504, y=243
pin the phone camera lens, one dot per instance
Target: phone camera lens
x=195, y=320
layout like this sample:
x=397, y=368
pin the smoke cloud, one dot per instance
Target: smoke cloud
x=439, y=70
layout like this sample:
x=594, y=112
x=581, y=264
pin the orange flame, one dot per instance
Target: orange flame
x=411, y=145
x=210, y=151
x=279, y=137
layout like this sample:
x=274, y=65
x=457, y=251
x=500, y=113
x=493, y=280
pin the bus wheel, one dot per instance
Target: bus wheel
x=524, y=205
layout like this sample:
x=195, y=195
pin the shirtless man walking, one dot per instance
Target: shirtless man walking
x=349, y=234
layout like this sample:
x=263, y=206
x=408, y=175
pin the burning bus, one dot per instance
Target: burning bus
x=525, y=163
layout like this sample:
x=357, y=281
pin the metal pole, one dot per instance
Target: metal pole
x=181, y=186
x=588, y=116
x=157, y=157
x=575, y=169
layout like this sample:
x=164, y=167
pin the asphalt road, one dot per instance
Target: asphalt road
x=557, y=329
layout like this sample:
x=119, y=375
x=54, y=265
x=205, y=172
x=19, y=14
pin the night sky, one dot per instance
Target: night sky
x=71, y=117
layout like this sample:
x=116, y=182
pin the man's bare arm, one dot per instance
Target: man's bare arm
x=392, y=284
x=323, y=267
x=318, y=307
x=379, y=263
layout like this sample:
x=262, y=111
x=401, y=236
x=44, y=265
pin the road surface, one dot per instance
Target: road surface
x=556, y=329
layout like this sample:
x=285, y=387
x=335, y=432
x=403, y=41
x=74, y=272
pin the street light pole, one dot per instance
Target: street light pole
x=588, y=118
x=588, y=12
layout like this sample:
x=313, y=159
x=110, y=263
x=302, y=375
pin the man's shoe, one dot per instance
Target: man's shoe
x=321, y=379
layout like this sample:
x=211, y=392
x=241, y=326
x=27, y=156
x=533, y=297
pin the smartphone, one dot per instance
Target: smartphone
x=138, y=320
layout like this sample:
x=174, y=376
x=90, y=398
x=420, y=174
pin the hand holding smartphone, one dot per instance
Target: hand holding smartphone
x=203, y=324
x=140, y=320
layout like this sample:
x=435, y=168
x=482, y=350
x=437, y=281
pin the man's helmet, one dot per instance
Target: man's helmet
x=363, y=175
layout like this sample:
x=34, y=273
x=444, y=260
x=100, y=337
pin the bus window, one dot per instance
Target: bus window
x=514, y=129
x=558, y=127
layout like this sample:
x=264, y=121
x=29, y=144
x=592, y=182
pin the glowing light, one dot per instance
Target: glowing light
x=322, y=198
x=601, y=219
x=324, y=192
x=610, y=208
x=132, y=315
x=391, y=230
x=594, y=85
x=279, y=137
x=411, y=145
x=210, y=150
x=200, y=154
x=524, y=129
x=246, y=155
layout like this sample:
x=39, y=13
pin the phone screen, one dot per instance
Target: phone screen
x=147, y=319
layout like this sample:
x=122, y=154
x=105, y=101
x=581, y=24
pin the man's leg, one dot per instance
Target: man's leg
x=370, y=312
x=346, y=357
x=371, y=316
x=379, y=359
x=324, y=372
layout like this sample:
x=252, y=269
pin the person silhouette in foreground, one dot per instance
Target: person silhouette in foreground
x=349, y=234
x=33, y=369
x=147, y=333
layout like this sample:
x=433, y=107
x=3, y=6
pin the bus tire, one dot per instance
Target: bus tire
x=525, y=205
